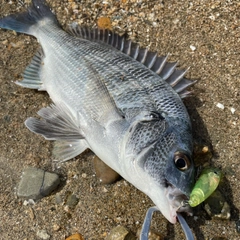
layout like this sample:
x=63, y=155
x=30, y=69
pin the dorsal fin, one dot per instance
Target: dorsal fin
x=158, y=64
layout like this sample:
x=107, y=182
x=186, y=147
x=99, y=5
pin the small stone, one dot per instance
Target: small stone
x=31, y=214
x=43, y=234
x=105, y=190
x=120, y=233
x=142, y=15
x=25, y=203
x=84, y=175
x=74, y=6
x=205, y=149
x=5, y=42
x=58, y=199
x=212, y=17
x=72, y=201
x=104, y=23
x=202, y=155
x=152, y=235
x=106, y=174
x=66, y=209
x=75, y=236
x=37, y=183
x=217, y=207
x=56, y=227
x=176, y=21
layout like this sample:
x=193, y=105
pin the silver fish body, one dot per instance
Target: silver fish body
x=122, y=102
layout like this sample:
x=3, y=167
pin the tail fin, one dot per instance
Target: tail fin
x=23, y=21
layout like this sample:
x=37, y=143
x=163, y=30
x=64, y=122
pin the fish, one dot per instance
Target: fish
x=109, y=95
x=206, y=184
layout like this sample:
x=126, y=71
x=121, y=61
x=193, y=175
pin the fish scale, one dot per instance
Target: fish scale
x=69, y=89
x=115, y=98
x=135, y=79
x=133, y=75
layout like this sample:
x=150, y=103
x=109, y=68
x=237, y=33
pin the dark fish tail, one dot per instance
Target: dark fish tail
x=23, y=22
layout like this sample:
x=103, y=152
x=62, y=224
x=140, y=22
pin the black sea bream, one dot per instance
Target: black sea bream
x=122, y=102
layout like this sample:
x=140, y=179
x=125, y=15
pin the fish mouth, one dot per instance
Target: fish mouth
x=178, y=202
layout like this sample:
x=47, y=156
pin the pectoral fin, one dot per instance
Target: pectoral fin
x=57, y=124
x=65, y=150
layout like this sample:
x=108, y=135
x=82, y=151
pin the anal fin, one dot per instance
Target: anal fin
x=31, y=75
x=59, y=124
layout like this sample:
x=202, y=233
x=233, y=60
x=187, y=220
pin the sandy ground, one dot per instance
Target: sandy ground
x=204, y=35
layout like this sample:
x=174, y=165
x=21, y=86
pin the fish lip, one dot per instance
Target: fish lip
x=178, y=202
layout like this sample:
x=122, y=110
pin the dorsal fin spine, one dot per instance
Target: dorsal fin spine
x=158, y=71
x=166, y=70
x=122, y=45
x=136, y=52
x=144, y=55
x=180, y=76
x=153, y=60
x=129, y=47
x=116, y=41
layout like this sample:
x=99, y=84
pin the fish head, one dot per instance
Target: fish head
x=158, y=160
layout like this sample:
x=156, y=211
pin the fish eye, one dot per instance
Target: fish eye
x=181, y=161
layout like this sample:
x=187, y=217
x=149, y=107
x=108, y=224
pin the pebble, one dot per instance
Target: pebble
x=43, y=234
x=58, y=198
x=37, y=183
x=76, y=236
x=120, y=233
x=152, y=235
x=217, y=207
x=72, y=201
x=106, y=174
x=31, y=214
x=202, y=155
x=104, y=23
x=28, y=202
x=56, y=227
x=5, y=42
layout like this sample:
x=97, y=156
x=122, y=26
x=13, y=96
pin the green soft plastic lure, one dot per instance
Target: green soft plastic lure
x=205, y=185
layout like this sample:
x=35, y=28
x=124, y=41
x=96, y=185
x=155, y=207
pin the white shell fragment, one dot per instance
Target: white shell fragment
x=193, y=48
x=232, y=110
x=220, y=105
